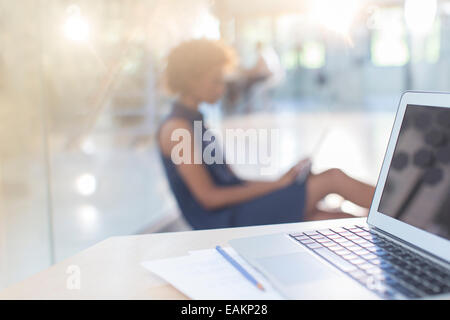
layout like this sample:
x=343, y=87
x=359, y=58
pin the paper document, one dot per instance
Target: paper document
x=205, y=274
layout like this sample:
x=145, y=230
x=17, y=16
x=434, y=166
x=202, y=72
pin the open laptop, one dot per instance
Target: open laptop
x=403, y=251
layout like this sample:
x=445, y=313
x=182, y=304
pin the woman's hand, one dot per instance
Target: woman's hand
x=290, y=176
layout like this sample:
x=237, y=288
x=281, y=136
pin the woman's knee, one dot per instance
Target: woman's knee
x=333, y=178
x=336, y=173
x=331, y=174
x=324, y=183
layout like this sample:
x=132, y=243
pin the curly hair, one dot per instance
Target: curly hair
x=193, y=58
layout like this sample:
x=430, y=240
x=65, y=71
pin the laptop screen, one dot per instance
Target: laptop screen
x=417, y=189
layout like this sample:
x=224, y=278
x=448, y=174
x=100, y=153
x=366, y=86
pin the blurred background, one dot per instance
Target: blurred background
x=81, y=98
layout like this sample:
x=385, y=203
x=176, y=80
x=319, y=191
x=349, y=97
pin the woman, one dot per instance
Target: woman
x=211, y=195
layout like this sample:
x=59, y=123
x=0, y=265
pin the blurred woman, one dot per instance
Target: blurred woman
x=211, y=195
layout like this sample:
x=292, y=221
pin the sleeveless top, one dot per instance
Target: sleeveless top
x=194, y=213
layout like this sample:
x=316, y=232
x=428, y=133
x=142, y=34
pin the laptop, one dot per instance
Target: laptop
x=402, y=250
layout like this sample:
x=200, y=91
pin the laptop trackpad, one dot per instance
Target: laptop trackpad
x=292, y=268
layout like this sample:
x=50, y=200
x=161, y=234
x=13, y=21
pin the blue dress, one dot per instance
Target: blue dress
x=281, y=206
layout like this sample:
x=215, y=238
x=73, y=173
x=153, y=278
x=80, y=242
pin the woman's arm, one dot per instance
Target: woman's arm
x=199, y=181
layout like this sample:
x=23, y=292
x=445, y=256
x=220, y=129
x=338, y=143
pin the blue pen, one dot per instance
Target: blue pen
x=239, y=268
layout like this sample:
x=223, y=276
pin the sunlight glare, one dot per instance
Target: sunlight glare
x=76, y=27
x=336, y=16
x=420, y=15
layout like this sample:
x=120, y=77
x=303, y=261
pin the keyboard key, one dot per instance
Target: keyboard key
x=357, y=261
x=405, y=291
x=331, y=245
x=353, y=248
x=371, y=238
x=345, y=234
x=393, y=271
x=296, y=234
x=371, y=249
x=379, y=252
x=441, y=289
x=366, y=266
x=378, y=242
x=364, y=234
x=442, y=274
x=335, y=259
x=326, y=232
x=385, y=265
x=360, y=240
x=311, y=233
x=356, y=230
x=324, y=240
x=346, y=244
x=367, y=245
x=361, y=251
x=308, y=241
x=342, y=252
x=335, y=248
x=314, y=246
x=398, y=263
x=411, y=268
x=303, y=237
x=389, y=257
x=428, y=279
x=369, y=256
x=338, y=230
x=350, y=256
x=399, y=287
x=385, y=245
x=319, y=236
x=382, y=276
x=334, y=236
x=376, y=261
x=339, y=240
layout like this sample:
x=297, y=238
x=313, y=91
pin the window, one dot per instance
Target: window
x=312, y=55
x=388, y=46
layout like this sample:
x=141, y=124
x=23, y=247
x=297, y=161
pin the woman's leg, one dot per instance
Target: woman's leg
x=336, y=181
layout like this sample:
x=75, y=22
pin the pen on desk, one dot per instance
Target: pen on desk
x=239, y=268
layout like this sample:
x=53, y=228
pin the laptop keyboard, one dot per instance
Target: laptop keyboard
x=378, y=263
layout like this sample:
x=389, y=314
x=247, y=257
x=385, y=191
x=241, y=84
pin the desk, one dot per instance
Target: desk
x=111, y=269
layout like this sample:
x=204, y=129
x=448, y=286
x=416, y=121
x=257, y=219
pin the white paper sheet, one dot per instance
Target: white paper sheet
x=205, y=274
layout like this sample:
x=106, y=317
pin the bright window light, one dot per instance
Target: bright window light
x=334, y=15
x=313, y=55
x=88, y=147
x=420, y=15
x=88, y=216
x=86, y=184
x=388, y=50
x=207, y=26
x=76, y=27
x=388, y=45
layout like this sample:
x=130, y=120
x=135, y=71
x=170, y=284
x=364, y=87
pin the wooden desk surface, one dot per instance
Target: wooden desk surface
x=111, y=269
